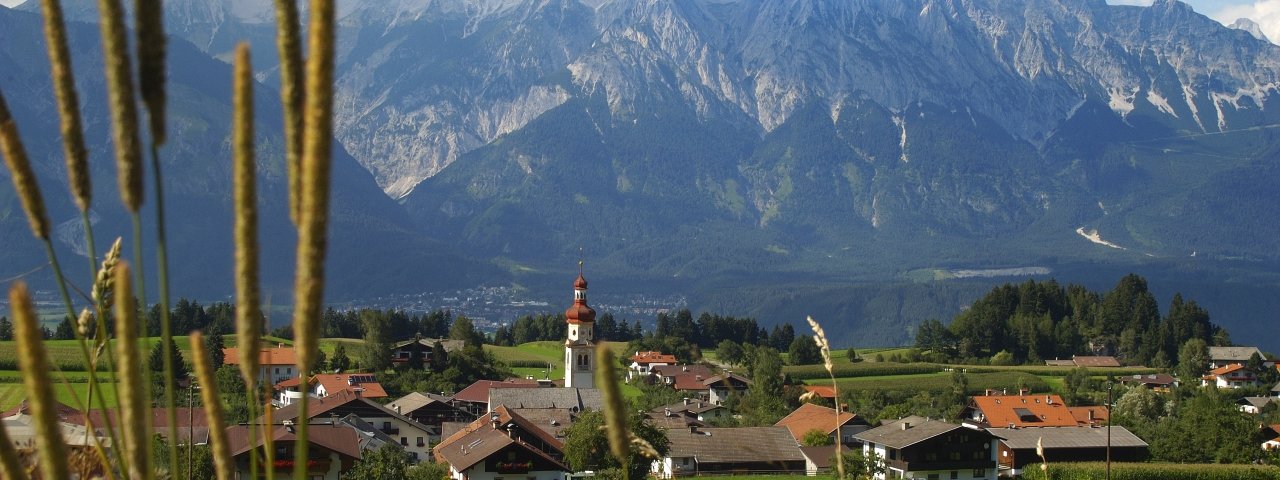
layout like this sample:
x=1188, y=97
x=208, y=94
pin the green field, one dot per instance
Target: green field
x=941, y=381
x=71, y=392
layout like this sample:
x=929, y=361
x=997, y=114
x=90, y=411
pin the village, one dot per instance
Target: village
x=520, y=427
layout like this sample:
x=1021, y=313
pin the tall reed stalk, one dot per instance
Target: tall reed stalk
x=218, y=443
x=243, y=173
x=314, y=213
x=289, y=43
x=34, y=363
x=820, y=338
x=133, y=399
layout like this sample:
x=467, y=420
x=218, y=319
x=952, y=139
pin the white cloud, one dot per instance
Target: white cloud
x=11, y=3
x=1266, y=13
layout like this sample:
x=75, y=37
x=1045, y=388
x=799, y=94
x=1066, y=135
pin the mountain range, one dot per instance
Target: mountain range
x=873, y=163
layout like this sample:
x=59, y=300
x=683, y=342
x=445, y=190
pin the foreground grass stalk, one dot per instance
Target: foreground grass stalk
x=34, y=363
x=220, y=449
x=133, y=400
x=166, y=333
x=314, y=214
x=73, y=148
x=289, y=44
x=248, y=302
x=615, y=409
x=10, y=465
x=820, y=338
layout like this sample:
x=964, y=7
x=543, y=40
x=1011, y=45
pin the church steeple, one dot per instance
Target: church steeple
x=579, y=345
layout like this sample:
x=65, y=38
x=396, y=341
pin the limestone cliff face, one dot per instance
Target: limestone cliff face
x=422, y=82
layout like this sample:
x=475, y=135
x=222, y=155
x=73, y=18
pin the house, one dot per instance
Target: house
x=1064, y=444
x=431, y=410
x=674, y=421
x=931, y=449
x=1254, y=405
x=692, y=408
x=808, y=417
x=413, y=436
x=703, y=451
x=672, y=375
x=475, y=397
x=423, y=349
x=1025, y=411
x=642, y=362
x=1234, y=375
x=503, y=444
x=1160, y=382
x=574, y=399
x=325, y=384
x=1275, y=391
x=719, y=387
x=274, y=364
x=19, y=425
x=332, y=450
x=1223, y=356
x=825, y=392
x=1271, y=434
x=821, y=459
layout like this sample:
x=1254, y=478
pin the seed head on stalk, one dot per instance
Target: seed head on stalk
x=33, y=360
x=24, y=178
x=64, y=89
x=120, y=97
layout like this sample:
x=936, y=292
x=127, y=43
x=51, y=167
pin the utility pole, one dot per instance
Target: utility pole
x=1111, y=382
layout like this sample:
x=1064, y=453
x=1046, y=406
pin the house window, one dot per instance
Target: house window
x=955, y=455
x=684, y=461
x=277, y=370
x=893, y=454
x=955, y=474
x=421, y=442
x=979, y=473
x=931, y=456
x=404, y=441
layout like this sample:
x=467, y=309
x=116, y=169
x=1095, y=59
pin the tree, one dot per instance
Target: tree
x=1077, y=383
x=6, y=329
x=340, y=361
x=862, y=467
x=852, y=354
x=816, y=438
x=1139, y=404
x=782, y=336
x=729, y=352
x=803, y=351
x=586, y=444
x=65, y=331
x=388, y=462
x=463, y=329
x=439, y=357
x=1002, y=357
x=375, y=353
x=1193, y=360
x=934, y=337
x=214, y=345
x=156, y=360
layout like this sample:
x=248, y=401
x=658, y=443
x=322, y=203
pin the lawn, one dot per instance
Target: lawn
x=940, y=381
x=71, y=393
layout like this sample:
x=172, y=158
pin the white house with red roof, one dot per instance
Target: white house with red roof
x=643, y=362
x=274, y=364
x=1230, y=376
x=326, y=384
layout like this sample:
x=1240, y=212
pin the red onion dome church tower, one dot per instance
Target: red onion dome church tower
x=580, y=345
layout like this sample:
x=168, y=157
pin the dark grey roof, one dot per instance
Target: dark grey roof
x=554, y=421
x=1276, y=388
x=416, y=400
x=691, y=406
x=371, y=438
x=547, y=397
x=1257, y=402
x=894, y=435
x=735, y=445
x=1240, y=354
x=448, y=344
x=821, y=456
x=912, y=419
x=1066, y=437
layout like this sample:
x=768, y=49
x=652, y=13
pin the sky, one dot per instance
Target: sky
x=1265, y=12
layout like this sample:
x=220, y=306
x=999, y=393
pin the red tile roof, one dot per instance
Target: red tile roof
x=479, y=392
x=336, y=382
x=823, y=391
x=1089, y=415
x=481, y=439
x=267, y=356
x=645, y=358
x=814, y=417
x=689, y=381
x=343, y=440
x=1024, y=410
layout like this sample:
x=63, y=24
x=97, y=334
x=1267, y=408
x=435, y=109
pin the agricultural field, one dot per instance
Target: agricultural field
x=941, y=381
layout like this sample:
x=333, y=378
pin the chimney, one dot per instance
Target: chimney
x=1048, y=399
x=493, y=420
x=686, y=400
x=1090, y=415
x=906, y=425
x=667, y=411
x=693, y=429
x=1023, y=391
